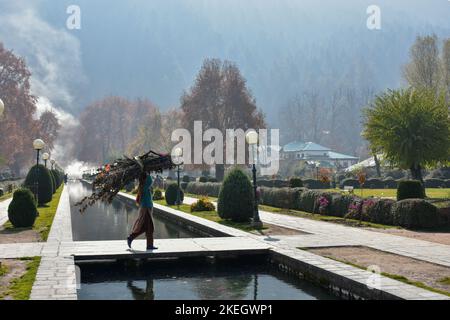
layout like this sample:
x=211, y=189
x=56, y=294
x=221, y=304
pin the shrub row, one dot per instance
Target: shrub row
x=410, y=213
x=210, y=189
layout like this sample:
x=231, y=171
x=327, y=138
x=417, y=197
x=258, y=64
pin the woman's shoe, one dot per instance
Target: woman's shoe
x=129, y=241
x=152, y=248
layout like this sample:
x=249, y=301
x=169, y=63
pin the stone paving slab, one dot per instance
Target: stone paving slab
x=83, y=250
x=18, y=250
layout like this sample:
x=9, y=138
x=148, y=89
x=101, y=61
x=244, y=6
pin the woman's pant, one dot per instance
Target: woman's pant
x=144, y=224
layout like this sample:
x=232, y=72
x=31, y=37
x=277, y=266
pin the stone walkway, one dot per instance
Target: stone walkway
x=4, y=211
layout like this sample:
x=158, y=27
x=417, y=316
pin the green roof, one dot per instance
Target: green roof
x=304, y=146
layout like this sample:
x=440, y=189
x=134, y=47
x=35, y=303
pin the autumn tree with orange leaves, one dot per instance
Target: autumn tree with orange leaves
x=18, y=126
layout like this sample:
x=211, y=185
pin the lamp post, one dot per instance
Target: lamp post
x=252, y=140
x=38, y=145
x=45, y=157
x=178, y=157
x=2, y=108
x=52, y=162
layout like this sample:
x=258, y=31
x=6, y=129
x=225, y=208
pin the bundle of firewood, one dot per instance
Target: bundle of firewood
x=114, y=177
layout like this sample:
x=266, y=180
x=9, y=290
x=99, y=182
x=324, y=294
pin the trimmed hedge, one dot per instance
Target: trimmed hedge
x=203, y=179
x=45, y=189
x=315, y=184
x=171, y=194
x=434, y=183
x=340, y=203
x=183, y=185
x=415, y=213
x=287, y=198
x=374, y=183
x=295, y=183
x=390, y=183
x=157, y=195
x=186, y=179
x=308, y=200
x=22, y=210
x=210, y=189
x=380, y=212
x=236, y=197
x=410, y=189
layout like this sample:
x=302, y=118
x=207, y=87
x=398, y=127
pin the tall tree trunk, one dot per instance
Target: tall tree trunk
x=220, y=172
x=377, y=165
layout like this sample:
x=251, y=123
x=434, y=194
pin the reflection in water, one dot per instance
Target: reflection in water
x=112, y=221
x=241, y=278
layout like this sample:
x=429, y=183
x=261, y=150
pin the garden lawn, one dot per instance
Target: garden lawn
x=47, y=212
x=6, y=196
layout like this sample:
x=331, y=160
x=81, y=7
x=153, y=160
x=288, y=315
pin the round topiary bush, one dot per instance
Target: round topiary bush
x=212, y=179
x=42, y=176
x=22, y=210
x=410, y=189
x=203, y=179
x=236, y=197
x=415, y=213
x=381, y=211
x=186, y=179
x=295, y=183
x=171, y=194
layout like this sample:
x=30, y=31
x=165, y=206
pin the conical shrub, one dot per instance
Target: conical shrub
x=236, y=197
x=22, y=210
x=45, y=187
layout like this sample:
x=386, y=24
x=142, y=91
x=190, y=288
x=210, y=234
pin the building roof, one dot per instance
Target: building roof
x=340, y=156
x=304, y=146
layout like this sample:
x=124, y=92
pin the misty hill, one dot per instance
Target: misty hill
x=154, y=48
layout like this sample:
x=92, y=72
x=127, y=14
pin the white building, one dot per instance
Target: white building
x=310, y=151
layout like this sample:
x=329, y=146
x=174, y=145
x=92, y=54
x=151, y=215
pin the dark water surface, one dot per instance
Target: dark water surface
x=238, y=279
x=112, y=221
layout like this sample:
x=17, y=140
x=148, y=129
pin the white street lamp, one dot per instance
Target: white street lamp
x=2, y=108
x=38, y=145
x=53, y=163
x=252, y=139
x=45, y=157
x=178, y=161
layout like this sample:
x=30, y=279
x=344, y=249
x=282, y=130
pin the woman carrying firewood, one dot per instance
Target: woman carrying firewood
x=144, y=222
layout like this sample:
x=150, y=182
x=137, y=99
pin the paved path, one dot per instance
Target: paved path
x=4, y=211
x=322, y=234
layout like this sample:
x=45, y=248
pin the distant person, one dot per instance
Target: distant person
x=144, y=222
x=66, y=178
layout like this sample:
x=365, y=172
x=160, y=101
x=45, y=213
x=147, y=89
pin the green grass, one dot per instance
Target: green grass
x=6, y=196
x=394, y=276
x=47, y=213
x=213, y=216
x=20, y=288
x=445, y=281
x=3, y=270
